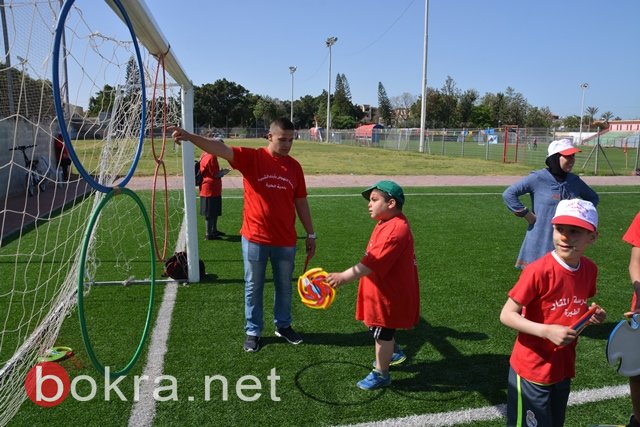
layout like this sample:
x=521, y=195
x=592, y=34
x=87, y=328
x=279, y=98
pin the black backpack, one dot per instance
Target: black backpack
x=198, y=174
x=177, y=267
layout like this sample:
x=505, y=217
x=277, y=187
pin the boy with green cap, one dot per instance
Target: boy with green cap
x=388, y=291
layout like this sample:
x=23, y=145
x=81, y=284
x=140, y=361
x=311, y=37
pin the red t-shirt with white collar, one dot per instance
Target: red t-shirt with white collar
x=271, y=184
x=632, y=236
x=551, y=293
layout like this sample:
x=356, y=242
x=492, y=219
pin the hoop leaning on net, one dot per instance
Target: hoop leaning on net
x=159, y=159
x=85, y=245
x=57, y=100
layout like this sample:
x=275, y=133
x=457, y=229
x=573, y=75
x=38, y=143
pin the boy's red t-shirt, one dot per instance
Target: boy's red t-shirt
x=632, y=236
x=390, y=296
x=209, y=167
x=550, y=294
x=271, y=185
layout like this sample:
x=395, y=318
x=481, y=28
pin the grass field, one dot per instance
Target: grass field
x=466, y=244
x=446, y=158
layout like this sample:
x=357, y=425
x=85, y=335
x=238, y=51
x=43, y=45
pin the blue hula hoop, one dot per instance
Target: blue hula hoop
x=58, y=102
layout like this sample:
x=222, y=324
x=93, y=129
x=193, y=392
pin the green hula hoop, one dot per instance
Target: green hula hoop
x=83, y=324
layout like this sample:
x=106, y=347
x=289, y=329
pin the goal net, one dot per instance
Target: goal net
x=85, y=81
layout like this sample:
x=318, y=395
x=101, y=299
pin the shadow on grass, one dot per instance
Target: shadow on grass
x=599, y=332
x=442, y=380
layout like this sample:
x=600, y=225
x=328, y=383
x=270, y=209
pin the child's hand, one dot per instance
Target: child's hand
x=560, y=334
x=599, y=315
x=631, y=313
x=335, y=280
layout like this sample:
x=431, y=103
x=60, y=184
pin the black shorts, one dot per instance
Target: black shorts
x=382, y=334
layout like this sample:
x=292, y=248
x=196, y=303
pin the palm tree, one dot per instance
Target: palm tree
x=591, y=111
x=606, y=116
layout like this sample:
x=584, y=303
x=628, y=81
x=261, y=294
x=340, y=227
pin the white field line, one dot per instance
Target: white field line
x=467, y=194
x=144, y=410
x=489, y=413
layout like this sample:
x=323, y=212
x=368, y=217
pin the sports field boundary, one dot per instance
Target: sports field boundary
x=489, y=413
x=335, y=181
x=144, y=410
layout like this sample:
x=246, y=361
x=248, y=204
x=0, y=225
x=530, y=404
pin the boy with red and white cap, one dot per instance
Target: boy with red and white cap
x=551, y=294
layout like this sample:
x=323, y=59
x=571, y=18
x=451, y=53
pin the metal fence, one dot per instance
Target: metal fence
x=613, y=156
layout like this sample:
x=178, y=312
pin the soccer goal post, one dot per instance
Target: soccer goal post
x=101, y=79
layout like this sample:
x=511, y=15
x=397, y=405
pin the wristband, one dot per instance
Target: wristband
x=311, y=236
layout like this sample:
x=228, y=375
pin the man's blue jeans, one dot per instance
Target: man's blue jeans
x=255, y=258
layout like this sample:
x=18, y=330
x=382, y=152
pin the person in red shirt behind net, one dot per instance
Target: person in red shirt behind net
x=62, y=156
x=388, y=290
x=274, y=192
x=211, y=194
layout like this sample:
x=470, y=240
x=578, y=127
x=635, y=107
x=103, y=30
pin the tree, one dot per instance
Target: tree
x=402, y=105
x=571, y=122
x=223, y=104
x=384, y=106
x=591, y=111
x=448, y=104
x=267, y=109
x=133, y=82
x=305, y=111
x=342, y=109
x=606, y=116
x=538, y=117
x=103, y=101
x=465, y=107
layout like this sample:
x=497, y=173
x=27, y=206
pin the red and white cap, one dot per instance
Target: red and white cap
x=562, y=146
x=578, y=212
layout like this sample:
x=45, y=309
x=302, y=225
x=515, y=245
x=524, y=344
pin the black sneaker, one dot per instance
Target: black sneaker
x=289, y=334
x=251, y=343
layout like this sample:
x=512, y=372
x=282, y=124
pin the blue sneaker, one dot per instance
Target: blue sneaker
x=374, y=380
x=396, y=358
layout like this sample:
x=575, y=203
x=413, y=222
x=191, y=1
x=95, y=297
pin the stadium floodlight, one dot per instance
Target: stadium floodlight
x=423, y=100
x=292, y=69
x=584, y=87
x=330, y=42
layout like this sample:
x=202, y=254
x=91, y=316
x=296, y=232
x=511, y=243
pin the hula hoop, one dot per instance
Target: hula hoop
x=58, y=102
x=159, y=162
x=161, y=256
x=83, y=256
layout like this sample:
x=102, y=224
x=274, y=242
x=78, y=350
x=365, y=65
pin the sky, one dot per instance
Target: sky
x=543, y=49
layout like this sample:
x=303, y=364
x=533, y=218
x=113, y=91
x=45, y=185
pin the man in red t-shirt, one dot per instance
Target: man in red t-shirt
x=388, y=290
x=274, y=192
x=549, y=298
x=632, y=236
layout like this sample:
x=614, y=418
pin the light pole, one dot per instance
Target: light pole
x=584, y=87
x=292, y=69
x=330, y=42
x=423, y=103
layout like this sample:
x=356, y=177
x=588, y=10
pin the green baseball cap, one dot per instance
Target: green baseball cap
x=389, y=187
